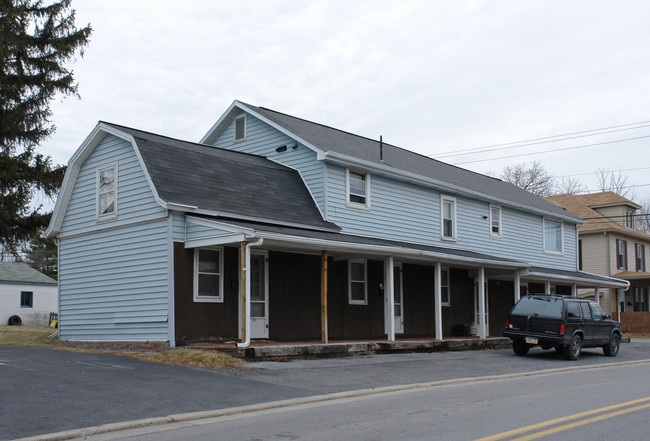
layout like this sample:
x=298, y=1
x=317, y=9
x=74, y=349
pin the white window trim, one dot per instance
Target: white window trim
x=234, y=128
x=365, y=282
x=557, y=253
x=204, y=299
x=348, y=202
x=98, y=170
x=454, y=224
x=448, y=302
x=500, y=233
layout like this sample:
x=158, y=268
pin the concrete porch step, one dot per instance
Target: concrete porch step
x=342, y=349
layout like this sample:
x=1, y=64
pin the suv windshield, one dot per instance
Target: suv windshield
x=540, y=307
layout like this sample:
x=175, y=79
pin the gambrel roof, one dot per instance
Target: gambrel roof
x=339, y=146
x=202, y=179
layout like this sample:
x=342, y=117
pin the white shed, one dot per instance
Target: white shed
x=26, y=293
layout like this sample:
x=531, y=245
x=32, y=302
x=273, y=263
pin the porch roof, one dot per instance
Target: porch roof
x=581, y=278
x=298, y=239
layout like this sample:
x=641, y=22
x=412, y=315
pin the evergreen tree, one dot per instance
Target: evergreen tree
x=36, y=42
x=41, y=254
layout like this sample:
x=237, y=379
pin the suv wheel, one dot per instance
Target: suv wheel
x=611, y=348
x=573, y=350
x=520, y=347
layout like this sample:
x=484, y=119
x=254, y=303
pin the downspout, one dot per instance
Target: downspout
x=249, y=245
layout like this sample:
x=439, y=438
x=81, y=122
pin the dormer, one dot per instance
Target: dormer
x=617, y=208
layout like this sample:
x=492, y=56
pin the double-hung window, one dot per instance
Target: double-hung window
x=640, y=257
x=208, y=275
x=495, y=220
x=629, y=219
x=621, y=254
x=357, y=286
x=357, y=189
x=448, y=217
x=240, y=128
x=553, y=232
x=107, y=192
x=444, y=287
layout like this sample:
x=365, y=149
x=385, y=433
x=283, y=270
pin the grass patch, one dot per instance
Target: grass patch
x=37, y=337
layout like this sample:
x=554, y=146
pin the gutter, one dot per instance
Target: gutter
x=247, y=288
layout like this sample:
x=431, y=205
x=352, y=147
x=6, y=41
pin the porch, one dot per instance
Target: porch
x=272, y=350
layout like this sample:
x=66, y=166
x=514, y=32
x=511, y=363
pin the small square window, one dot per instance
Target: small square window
x=107, y=192
x=240, y=128
x=208, y=275
x=358, y=294
x=357, y=189
x=26, y=299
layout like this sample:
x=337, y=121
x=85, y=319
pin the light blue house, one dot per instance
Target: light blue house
x=274, y=227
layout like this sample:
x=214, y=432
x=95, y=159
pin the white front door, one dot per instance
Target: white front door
x=259, y=295
x=398, y=299
x=476, y=313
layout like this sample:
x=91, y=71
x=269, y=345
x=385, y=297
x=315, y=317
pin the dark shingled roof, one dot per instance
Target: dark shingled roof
x=226, y=181
x=330, y=139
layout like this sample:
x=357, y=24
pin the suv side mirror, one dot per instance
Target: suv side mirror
x=606, y=316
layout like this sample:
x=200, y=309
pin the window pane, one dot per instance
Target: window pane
x=26, y=299
x=257, y=310
x=573, y=310
x=553, y=235
x=357, y=199
x=447, y=209
x=107, y=180
x=208, y=285
x=357, y=291
x=398, y=311
x=106, y=203
x=209, y=261
x=240, y=126
x=357, y=271
x=444, y=294
x=586, y=312
x=448, y=228
x=596, y=311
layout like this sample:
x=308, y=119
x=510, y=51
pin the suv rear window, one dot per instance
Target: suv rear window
x=539, y=307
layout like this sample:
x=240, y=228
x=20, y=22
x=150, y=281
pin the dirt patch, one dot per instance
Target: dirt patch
x=33, y=336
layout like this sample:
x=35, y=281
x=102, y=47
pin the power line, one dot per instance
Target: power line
x=554, y=150
x=593, y=173
x=497, y=146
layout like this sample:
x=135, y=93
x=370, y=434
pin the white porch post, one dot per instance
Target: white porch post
x=597, y=294
x=482, y=332
x=517, y=286
x=547, y=287
x=437, y=292
x=574, y=290
x=389, y=292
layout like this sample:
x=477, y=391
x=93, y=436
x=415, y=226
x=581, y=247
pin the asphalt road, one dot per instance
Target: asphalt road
x=594, y=404
x=46, y=391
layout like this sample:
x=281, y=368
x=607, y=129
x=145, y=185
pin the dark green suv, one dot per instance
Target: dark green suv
x=564, y=323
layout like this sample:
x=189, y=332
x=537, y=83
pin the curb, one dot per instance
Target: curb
x=193, y=416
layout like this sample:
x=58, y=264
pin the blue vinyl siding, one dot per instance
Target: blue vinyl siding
x=114, y=277
x=409, y=212
x=262, y=140
x=178, y=226
x=196, y=231
x=135, y=201
x=114, y=284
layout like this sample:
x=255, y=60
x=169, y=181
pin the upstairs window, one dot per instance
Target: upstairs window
x=358, y=293
x=495, y=220
x=629, y=219
x=208, y=275
x=107, y=192
x=553, y=236
x=640, y=257
x=448, y=217
x=444, y=287
x=240, y=128
x=357, y=189
x=26, y=299
x=621, y=254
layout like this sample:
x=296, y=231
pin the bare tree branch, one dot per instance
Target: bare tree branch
x=532, y=177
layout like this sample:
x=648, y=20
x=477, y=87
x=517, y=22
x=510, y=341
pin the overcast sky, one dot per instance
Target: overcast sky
x=431, y=76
